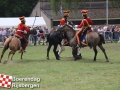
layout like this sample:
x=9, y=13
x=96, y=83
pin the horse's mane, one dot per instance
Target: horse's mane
x=33, y=31
x=69, y=30
x=69, y=27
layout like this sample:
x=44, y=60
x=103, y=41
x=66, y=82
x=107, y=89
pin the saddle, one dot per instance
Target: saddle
x=83, y=38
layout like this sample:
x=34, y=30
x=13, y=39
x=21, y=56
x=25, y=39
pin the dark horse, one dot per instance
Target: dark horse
x=13, y=43
x=54, y=38
x=94, y=39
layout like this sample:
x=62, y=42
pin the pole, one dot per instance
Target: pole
x=107, y=12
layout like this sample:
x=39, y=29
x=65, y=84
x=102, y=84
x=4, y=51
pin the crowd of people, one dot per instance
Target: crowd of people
x=39, y=38
x=110, y=33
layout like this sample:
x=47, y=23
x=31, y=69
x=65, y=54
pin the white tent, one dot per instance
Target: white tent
x=10, y=22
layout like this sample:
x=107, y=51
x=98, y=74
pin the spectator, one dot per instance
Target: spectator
x=52, y=29
x=35, y=37
x=95, y=29
x=119, y=33
x=8, y=32
x=46, y=34
x=31, y=39
x=100, y=31
x=3, y=33
x=41, y=33
x=12, y=31
x=116, y=30
x=105, y=27
x=107, y=34
x=38, y=35
x=113, y=28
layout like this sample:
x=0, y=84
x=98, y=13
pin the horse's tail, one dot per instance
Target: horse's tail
x=102, y=40
x=6, y=44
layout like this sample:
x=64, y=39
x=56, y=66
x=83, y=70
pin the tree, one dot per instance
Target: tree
x=16, y=8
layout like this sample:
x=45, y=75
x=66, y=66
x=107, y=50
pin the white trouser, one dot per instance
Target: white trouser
x=61, y=47
x=78, y=51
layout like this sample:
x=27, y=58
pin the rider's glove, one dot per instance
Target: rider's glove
x=25, y=32
x=76, y=26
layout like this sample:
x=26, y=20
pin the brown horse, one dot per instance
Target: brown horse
x=93, y=40
x=14, y=44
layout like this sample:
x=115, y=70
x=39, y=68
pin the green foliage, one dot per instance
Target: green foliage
x=16, y=8
x=66, y=4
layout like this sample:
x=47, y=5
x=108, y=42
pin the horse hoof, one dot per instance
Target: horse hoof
x=57, y=59
x=58, y=56
x=75, y=59
x=47, y=58
x=107, y=60
x=5, y=62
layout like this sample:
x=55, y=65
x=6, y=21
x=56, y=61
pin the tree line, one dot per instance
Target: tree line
x=16, y=8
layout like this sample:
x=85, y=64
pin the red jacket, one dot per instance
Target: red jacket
x=20, y=30
x=85, y=23
x=62, y=21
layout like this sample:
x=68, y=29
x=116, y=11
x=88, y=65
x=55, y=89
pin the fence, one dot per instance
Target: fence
x=111, y=36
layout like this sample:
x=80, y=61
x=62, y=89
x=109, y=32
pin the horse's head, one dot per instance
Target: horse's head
x=33, y=31
x=69, y=31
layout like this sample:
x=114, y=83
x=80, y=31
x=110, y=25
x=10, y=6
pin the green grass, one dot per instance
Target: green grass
x=66, y=74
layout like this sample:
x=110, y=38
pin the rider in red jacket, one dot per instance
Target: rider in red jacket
x=85, y=25
x=64, y=20
x=21, y=30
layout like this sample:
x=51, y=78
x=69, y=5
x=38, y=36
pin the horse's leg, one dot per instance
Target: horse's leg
x=48, y=49
x=55, y=52
x=95, y=51
x=3, y=51
x=12, y=56
x=11, y=52
x=103, y=50
x=21, y=55
x=79, y=53
x=61, y=49
x=74, y=52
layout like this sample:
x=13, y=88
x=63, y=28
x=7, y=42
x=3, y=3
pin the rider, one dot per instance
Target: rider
x=64, y=20
x=85, y=25
x=21, y=30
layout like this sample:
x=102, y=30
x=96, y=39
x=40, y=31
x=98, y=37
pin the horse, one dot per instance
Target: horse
x=93, y=39
x=54, y=38
x=14, y=44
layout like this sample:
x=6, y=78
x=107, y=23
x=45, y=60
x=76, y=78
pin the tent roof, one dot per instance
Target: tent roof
x=30, y=21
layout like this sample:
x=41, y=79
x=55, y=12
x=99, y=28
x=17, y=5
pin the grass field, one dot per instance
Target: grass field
x=66, y=74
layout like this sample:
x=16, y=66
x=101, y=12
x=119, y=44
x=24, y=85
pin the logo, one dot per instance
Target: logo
x=5, y=81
